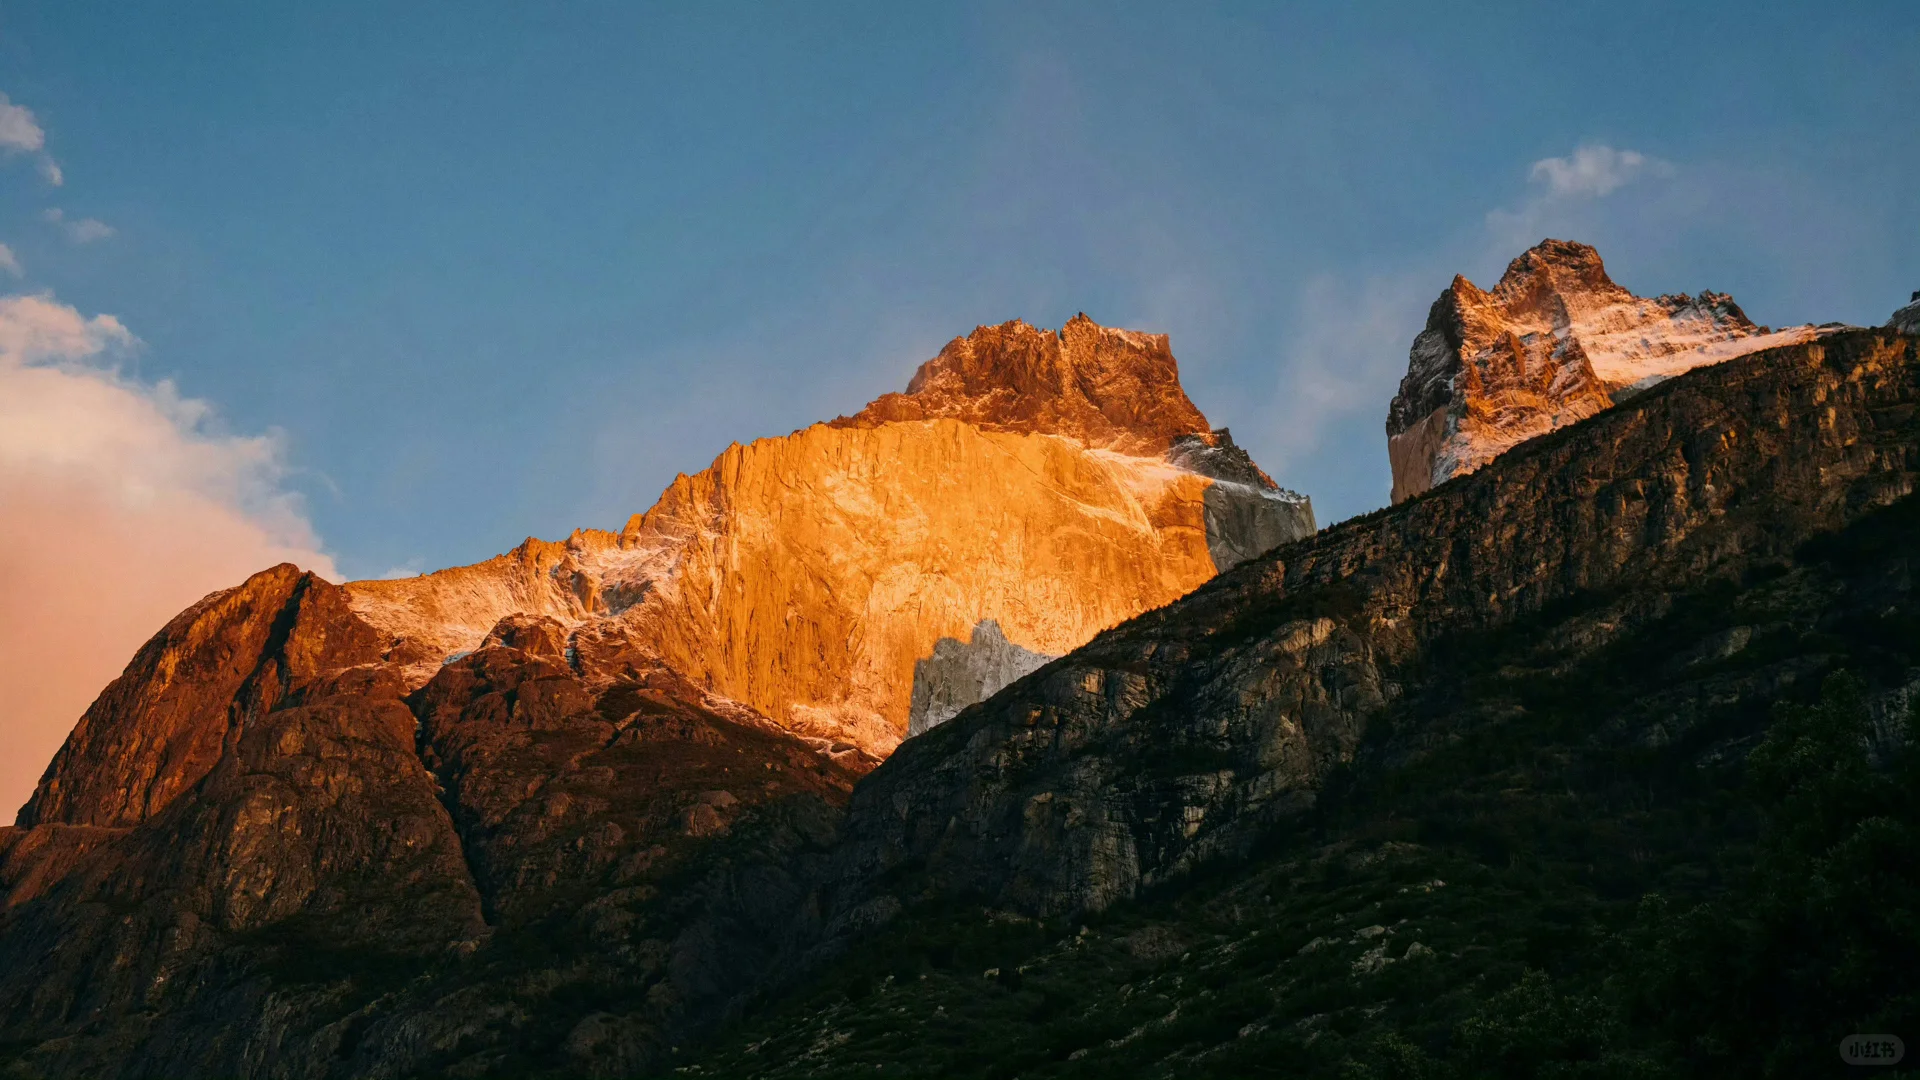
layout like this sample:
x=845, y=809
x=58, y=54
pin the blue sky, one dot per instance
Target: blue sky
x=495, y=270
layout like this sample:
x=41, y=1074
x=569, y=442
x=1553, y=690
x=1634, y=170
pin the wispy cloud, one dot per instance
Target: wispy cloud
x=38, y=329
x=1565, y=188
x=79, y=230
x=21, y=133
x=1594, y=171
x=10, y=262
x=125, y=502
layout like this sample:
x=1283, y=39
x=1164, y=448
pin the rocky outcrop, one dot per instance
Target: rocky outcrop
x=159, y=727
x=557, y=847
x=1907, y=319
x=960, y=673
x=1053, y=483
x=1101, y=387
x=1181, y=735
x=248, y=789
x=1555, y=342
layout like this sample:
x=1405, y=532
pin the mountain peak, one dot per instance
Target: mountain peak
x=1102, y=386
x=1565, y=263
x=805, y=576
x=1555, y=341
x=1907, y=319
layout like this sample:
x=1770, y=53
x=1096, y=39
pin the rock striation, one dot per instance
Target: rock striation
x=1054, y=483
x=1555, y=342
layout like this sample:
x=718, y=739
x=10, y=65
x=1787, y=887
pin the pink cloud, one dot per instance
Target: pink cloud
x=119, y=506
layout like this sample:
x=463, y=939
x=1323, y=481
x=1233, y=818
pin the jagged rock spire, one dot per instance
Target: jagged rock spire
x=1553, y=343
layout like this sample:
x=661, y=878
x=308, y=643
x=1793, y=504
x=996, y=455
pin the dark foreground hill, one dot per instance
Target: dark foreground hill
x=1390, y=801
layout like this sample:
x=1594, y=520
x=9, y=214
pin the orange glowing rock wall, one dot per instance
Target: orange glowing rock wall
x=806, y=575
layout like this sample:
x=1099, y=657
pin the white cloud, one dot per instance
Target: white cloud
x=1569, y=188
x=1590, y=170
x=9, y=261
x=87, y=230
x=19, y=131
x=124, y=503
x=80, y=231
x=41, y=330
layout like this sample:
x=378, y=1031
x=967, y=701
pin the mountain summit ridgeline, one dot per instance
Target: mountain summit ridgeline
x=1554, y=342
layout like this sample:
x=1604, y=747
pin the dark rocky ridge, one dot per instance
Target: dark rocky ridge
x=1566, y=847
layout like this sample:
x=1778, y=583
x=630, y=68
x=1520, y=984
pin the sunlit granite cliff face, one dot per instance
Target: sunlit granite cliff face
x=1050, y=483
x=1554, y=342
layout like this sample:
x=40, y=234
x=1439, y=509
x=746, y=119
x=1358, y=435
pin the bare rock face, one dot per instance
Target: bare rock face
x=349, y=878
x=1101, y=387
x=1053, y=483
x=960, y=673
x=1554, y=342
x=1907, y=319
x=159, y=727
